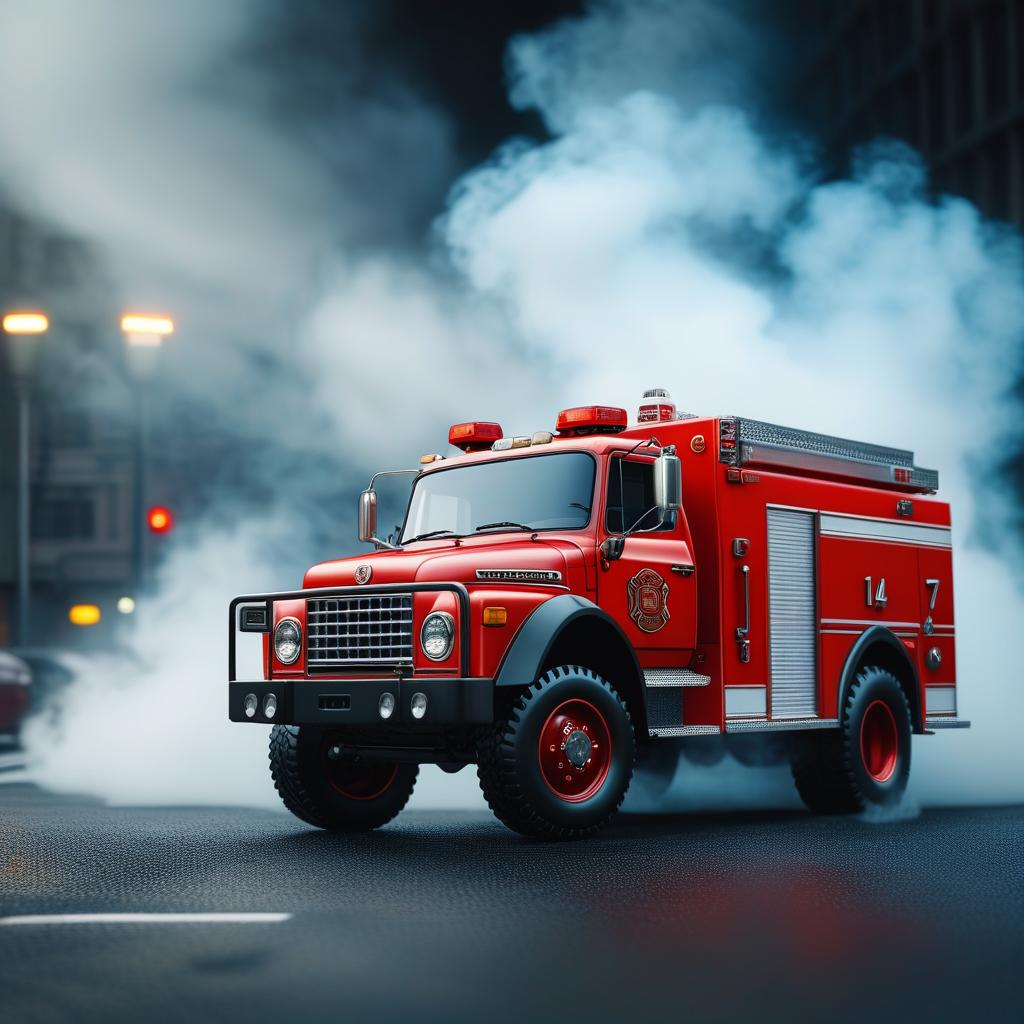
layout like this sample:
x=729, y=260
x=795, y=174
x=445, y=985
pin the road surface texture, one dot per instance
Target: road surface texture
x=449, y=917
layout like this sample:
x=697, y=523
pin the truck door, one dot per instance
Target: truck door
x=651, y=591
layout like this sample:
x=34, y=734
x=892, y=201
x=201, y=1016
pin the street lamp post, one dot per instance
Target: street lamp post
x=144, y=335
x=23, y=331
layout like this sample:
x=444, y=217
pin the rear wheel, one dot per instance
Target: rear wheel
x=344, y=794
x=866, y=762
x=559, y=765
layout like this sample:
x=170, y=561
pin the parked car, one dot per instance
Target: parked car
x=15, y=690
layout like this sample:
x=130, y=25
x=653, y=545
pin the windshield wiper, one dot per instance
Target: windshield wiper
x=504, y=525
x=432, y=533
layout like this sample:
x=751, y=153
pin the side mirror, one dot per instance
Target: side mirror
x=368, y=517
x=612, y=547
x=668, y=481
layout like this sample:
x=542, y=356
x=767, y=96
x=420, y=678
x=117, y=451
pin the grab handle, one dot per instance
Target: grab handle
x=743, y=632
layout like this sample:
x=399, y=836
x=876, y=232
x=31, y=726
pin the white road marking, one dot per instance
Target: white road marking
x=188, y=918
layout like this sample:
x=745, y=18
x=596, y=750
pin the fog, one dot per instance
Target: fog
x=664, y=235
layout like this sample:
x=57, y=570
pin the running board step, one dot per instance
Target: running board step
x=674, y=677
x=671, y=731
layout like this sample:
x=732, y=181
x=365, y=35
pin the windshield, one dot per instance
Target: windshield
x=548, y=492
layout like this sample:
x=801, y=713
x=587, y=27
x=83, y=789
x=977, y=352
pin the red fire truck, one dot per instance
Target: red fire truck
x=556, y=606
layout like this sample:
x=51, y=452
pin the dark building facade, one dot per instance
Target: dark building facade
x=82, y=439
x=946, y=76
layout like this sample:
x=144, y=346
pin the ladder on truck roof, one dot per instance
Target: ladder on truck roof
x=744, y=443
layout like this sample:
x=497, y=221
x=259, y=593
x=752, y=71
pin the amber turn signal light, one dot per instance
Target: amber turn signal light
x=495, y=616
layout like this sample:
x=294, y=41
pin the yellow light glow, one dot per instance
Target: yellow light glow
x=495, y=616
x=84, y=614
x=140, y=323
x=26, y=323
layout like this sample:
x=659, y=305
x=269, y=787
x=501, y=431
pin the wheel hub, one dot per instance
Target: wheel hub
x=575, y=750
x=879, y=741
x=578, y=748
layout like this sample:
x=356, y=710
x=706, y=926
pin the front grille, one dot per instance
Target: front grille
x=370, y=630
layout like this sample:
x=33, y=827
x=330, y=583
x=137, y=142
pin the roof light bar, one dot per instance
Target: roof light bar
x=503, y=444
x=474, y=437
x=591, y=419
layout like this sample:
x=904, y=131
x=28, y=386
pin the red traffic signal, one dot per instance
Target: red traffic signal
x=159, y=519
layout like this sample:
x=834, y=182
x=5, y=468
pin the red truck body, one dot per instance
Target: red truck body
x=793, y=563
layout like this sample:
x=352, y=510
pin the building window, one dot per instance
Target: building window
x=963, y=78
x=995, y=56
x=63, y=513
x=935, y=79
x=1018, y=16
x=69, y=427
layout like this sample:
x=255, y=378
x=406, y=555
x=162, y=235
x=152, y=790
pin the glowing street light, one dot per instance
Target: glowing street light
x=144, y=335
x=22, y=329
x=84, y=614
x=26, y=323
x=126, y=605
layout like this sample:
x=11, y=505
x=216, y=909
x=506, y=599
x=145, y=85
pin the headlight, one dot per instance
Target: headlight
x=437, y=635
x=288, y=641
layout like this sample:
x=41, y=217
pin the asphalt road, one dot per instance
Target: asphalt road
x=449, y=917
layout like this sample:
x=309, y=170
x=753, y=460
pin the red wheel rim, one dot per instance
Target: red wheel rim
x=361, y=780
x=575, y=751
x=879, y=741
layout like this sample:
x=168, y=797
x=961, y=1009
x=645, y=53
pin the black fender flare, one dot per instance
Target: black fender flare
x=530, y=647
x=896, y=653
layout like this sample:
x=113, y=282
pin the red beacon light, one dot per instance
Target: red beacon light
x=657, y=407
x=591, y=419
x=474, y=437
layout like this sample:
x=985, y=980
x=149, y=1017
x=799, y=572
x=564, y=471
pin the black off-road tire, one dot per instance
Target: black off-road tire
x=509, y=765
x=308, y=782
x=831, y=768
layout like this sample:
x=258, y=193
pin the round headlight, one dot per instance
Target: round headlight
x=437, y=635
x=288, y=641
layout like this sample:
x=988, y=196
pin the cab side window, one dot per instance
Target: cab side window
x=631, y=498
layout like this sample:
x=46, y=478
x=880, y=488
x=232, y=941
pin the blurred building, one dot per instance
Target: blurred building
x=947, y=76
x=82, y=438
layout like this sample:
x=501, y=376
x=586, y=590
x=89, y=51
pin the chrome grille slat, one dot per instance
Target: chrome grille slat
x=364, y=629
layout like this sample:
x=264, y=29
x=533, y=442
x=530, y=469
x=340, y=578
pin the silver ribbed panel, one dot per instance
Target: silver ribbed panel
x=758, y=432
x=664, y=708
x=375, y=629
x=752, y=442
x=674, y=677
x=792, y=613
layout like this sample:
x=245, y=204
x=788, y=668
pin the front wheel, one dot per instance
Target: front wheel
x=343, y=794
x=559, y=766
x=866, y=762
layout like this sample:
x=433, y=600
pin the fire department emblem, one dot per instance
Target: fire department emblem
x=363, y=573
x=648, y=600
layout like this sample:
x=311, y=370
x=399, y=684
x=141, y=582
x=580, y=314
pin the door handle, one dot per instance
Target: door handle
x=683, y=569
x=743, y=632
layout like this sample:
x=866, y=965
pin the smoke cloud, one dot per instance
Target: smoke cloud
x=665, y=234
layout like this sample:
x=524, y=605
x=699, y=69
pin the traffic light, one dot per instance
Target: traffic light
x=160, y=519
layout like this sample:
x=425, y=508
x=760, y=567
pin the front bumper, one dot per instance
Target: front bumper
x=355, y=702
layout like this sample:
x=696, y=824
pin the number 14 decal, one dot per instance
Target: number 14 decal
x=875, y=598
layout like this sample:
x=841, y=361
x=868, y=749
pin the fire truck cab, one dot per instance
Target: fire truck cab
x=556, y=606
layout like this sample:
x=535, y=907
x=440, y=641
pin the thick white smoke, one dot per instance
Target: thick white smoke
x=659, y=238
x=651, y=245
